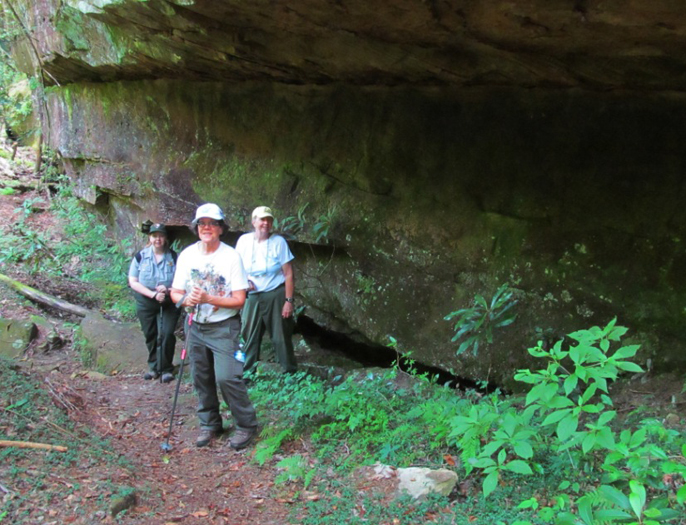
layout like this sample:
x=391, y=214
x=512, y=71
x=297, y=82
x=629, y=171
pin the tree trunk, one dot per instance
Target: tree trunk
x=43, y=298
x=39, y=153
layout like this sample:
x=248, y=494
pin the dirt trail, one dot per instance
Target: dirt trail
x=188, y=485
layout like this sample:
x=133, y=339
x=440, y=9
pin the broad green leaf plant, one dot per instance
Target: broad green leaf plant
x=568, y=412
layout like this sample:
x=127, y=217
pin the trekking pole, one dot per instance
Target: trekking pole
x=160, y=328
x=166, y=446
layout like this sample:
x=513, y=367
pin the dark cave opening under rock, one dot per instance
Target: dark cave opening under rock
x=336, y=344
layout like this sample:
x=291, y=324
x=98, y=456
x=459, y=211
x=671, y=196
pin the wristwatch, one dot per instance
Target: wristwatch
x=290, y=300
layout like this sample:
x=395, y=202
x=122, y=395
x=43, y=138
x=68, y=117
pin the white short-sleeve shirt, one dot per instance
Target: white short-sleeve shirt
x=263, y=260
x=218, y=273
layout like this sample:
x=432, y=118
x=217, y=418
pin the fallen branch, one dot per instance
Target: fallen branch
x=31, y=444
x=43, y=298
x=23, y=187
x=61, y=429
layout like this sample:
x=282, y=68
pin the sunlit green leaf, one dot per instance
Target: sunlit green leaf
x=606, y=515
x=585, y=511
x=629, y=367
x=566, y=427
x=531, y=503
x=615, y=496
x=626, y=352
x=637, y=498
x=588, y=443
x=518, y=466
x=555, y=417
x=570, y=384
x=566, y=518
x=490, y=483
x=523, y=449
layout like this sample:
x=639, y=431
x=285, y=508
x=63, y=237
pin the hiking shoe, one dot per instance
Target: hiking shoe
x=242, y=438
x=167, y=377
x=150, y=375
x=204, y=438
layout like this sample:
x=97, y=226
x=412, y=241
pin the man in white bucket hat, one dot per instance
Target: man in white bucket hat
x=211, y=283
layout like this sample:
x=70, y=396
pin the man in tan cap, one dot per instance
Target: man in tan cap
x=269, y=305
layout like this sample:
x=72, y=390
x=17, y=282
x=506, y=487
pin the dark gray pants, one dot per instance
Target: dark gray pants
x=211, y=347
x=262, y=311
x=158, y=328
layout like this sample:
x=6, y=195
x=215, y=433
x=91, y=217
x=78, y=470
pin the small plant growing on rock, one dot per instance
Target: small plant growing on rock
x=475, y=325
x=290, y=226
x=323, y=225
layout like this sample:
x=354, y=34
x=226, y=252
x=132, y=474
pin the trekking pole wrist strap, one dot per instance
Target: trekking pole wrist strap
x=180, y=303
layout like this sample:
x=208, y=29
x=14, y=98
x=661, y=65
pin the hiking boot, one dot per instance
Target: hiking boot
x=205, y=437
x=150, y=375
x=242, y=438
x=167, y=377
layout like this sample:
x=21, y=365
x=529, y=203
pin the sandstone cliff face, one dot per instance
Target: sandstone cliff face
x=454, y=146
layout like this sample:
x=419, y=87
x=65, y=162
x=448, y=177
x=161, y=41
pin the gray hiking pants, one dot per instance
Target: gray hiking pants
x=211, y=347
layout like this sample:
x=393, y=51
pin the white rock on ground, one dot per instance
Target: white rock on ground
x=419, y=482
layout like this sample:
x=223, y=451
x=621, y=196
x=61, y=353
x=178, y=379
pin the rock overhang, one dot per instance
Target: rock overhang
x=591, y=44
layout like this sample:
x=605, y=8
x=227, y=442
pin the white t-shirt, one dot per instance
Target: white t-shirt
x=263, y=260
x=218, y=273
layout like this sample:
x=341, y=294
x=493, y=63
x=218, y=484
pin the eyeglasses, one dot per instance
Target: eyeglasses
x=208, y=224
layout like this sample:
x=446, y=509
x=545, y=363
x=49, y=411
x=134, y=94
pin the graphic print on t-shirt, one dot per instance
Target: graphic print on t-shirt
x=210, y=282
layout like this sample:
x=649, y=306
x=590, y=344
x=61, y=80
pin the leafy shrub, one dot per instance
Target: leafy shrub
x=568, y=412
x=558, y=454
x=366, y=414
x=323, y=225
x=84, y=251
